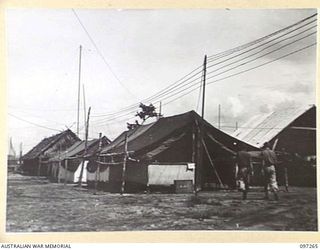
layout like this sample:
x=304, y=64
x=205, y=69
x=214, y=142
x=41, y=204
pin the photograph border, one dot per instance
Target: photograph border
x=143, y=236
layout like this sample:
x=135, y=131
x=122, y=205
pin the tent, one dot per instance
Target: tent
x=66, y=166
x=35, y=161
x=171, y=142
x=292, y=130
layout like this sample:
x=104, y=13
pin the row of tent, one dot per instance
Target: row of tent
x=177, y=148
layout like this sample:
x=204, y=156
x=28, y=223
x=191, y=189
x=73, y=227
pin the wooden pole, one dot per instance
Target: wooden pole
x=123, y=181
x=204, y=85
x=84, y=105
x=211, y=162
x=219, y=116
x=275, y=144
x=66, y=171
x=59, y=169
x=199, y=154
x=79, y=80
x=98, y=167
x=160, y=109
x=85, y=148
x=39, y=166
x=193, y=156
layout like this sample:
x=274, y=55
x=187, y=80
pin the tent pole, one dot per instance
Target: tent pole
x=198, y=158
x=204, y=85
x=275, y=144
x=79, y=80
x=98, y=167
x=59, y=169
x=211, y=162
x=123, y=182
x=65, y=173
x=39, y=166
x=85, y=148
x=193, y=156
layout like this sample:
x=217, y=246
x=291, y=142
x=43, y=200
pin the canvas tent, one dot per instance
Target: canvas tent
x=35, y=161
x=66, y=165
x=290, y=129
x=170, y=141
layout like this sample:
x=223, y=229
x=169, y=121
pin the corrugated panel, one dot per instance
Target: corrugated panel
x=167, y=174
x=264, y=128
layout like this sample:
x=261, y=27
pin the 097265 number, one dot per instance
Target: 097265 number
x=309, y=246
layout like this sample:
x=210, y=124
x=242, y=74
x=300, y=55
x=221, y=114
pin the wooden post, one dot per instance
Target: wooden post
x=85, y=148
x=97, y=175
x=79, y=80
x=193, y=156
x=39, y=166
x=211, y=162
x=20, y=155
x=275, y=144
x=123, y=181
x=219, y=116
x=59, y=169
x=66, y=171
x=198, y=159
x=204, y=85
x=84, y=106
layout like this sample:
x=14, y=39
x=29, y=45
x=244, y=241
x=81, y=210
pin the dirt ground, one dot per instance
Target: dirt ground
x=36, y=205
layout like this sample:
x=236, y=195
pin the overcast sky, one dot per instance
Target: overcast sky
x=147, y=51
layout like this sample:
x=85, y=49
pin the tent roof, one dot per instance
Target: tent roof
x=263, y=128
x=46, y=143
x=78, y=148
x=147, y=137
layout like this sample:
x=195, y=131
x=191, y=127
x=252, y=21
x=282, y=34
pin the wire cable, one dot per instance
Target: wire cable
x=35, y=124
x=171, y=87
x=243, y=71
x=101, y=55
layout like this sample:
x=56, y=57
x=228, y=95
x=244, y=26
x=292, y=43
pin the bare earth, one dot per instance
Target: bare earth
x=36, y=205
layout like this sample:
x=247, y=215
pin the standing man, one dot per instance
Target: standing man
x=285, y=159
x=245, y=169
x=269, y=160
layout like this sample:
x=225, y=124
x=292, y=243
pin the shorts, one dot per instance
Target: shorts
x=271, y=178
x=243, y=179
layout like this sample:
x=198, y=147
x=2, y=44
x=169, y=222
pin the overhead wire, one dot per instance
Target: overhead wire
x=179, y=88
x=243, y=71
x=33, y=123
x=169, y=88
x=101, y=54
x=262, y=38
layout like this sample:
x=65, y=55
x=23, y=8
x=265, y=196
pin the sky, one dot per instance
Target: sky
x=129, y=55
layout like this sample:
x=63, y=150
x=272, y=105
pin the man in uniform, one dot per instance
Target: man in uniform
x=269, y=160
x=245, y=169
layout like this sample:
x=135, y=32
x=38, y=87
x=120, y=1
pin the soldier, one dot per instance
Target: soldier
x=245, y=169
x=269, y=160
